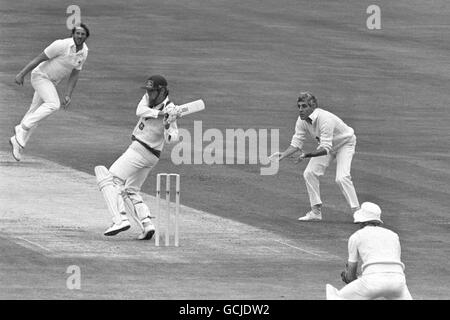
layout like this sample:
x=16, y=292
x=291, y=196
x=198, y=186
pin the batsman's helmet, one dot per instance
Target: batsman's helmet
x=308, y=98
x=155, y=82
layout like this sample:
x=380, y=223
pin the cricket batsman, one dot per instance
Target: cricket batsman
x=121, y=183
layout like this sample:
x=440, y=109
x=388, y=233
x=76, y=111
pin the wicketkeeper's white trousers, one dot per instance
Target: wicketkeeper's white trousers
x=318, y=165
x=45, y=102
x=386, y=285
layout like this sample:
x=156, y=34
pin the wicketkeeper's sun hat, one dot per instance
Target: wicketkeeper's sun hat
x=369, y=212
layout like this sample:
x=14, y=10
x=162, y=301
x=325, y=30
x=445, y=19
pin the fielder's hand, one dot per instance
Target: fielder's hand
x=66, y=101
x=19, y=79
x=344, y=277
x=275, y=157
x=300, y=158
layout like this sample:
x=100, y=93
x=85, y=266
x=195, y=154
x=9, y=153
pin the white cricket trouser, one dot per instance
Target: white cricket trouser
x=45, y=102
x=318, y=165
x=388, y=285
x=132, y=168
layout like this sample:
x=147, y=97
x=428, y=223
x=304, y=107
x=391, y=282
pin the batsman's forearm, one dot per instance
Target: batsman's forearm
x=151, y=113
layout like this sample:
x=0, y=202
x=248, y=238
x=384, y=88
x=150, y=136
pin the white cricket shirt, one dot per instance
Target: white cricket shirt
x=378, y=249
x=150, y=128
x=63, y=58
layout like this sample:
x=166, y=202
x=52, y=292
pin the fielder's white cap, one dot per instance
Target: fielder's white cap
x=369, y=212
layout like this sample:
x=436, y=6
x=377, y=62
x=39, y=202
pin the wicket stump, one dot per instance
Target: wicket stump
x=158, y=208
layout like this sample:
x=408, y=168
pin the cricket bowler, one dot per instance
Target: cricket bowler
x=63, y=58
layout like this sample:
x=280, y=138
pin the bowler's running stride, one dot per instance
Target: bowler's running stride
x=62, y=58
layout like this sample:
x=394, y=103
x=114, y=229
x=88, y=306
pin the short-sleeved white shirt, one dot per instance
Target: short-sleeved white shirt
x=63, y=58
x=378, y=249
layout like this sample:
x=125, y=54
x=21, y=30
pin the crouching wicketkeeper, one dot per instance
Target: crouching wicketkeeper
x=379, y=250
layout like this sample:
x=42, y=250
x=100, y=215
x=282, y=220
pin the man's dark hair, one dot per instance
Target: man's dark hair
x=82, y=25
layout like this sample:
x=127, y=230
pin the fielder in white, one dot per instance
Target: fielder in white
x=379, y=251
x=336, y=140
x=62, y=58
x=121, y=184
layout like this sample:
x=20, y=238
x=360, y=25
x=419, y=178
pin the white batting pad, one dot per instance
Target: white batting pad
x=106, y=186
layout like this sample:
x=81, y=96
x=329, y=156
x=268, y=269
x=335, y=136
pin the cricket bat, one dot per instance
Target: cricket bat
x=191, y=107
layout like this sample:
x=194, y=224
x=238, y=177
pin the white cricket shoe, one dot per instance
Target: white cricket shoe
x=331, y=292
x=311, y=216
x=16, y=148
x=20, y=135
x=116, y=228
x=149, y=230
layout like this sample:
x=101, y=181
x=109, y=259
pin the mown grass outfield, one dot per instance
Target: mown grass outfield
x=248, y=60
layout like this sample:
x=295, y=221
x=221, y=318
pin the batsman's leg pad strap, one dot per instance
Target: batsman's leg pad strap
x=141, y=208
x=135, y=196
